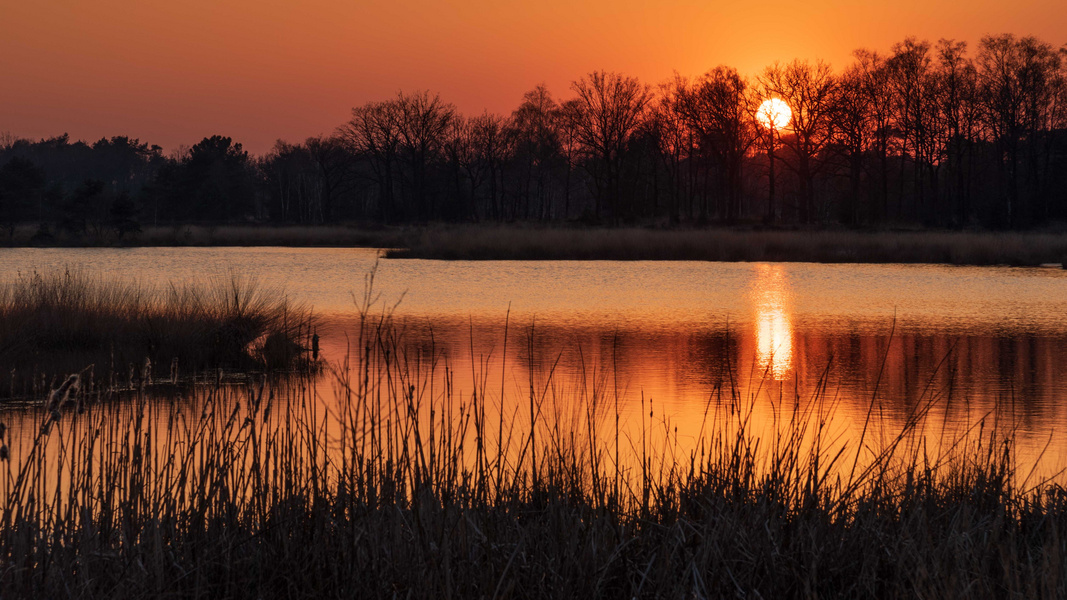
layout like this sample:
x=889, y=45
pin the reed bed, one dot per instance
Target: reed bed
x=825, y=246
x=53, y=324
x=391, y=483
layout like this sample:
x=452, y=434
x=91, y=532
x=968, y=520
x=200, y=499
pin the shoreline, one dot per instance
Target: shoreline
x=534, y=242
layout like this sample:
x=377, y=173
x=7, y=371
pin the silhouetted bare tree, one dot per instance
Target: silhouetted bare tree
x=611, y=108
x=854, y=139
x=289, y=178
x=423, y=125
x=720, y=109
x=334, y=166
x=539, y=160
x=677, y=145
x=373, y=133
x=809, y=90
x=477, y=149
x=1019, y=80
x=909, y=69
x=957, y=88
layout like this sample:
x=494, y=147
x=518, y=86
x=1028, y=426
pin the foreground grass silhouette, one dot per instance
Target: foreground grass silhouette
x=401, y=487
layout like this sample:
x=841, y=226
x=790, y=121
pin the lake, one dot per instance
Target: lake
x=667, y=344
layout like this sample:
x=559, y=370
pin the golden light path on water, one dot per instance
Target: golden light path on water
x=675, y=347
x=774, y=326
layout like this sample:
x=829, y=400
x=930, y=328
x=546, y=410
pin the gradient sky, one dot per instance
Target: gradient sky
x=173, y=71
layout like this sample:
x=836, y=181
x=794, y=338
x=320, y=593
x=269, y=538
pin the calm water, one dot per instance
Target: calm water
x=964, y=342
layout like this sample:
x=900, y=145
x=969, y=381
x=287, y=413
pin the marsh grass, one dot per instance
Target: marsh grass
x=825, y=246
x=53, y=324
x=398, y=485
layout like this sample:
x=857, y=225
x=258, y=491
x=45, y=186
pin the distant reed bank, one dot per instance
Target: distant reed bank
x=216, y=235
x=533, y=242
x=824, y=246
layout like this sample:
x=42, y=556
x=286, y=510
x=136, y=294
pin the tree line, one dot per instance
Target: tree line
x=924, y=134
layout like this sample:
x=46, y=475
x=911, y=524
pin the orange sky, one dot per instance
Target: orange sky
x=173, y=71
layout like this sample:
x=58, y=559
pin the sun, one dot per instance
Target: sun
x=774, y=112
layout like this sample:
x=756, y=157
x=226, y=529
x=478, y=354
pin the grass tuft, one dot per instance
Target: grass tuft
x=56, y=323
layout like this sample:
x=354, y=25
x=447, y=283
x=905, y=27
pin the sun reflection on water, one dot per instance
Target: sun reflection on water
x=774, y=321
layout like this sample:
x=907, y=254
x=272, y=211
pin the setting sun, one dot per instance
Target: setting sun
x=774, y=112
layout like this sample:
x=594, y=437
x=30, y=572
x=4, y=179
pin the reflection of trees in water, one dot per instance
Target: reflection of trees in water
x=960, y=378
x=713, y=355
x=963, y=375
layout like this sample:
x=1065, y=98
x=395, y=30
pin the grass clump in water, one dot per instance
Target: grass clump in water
x=56, y=323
